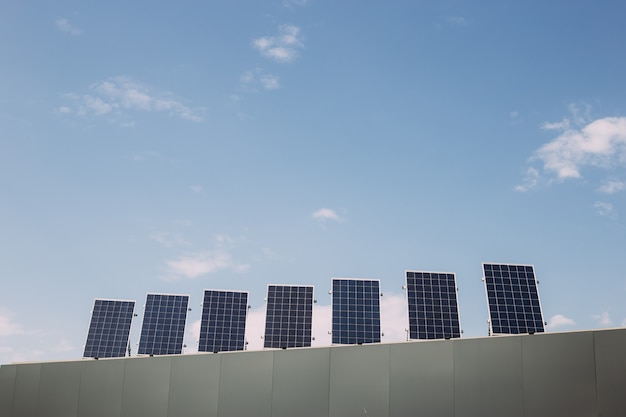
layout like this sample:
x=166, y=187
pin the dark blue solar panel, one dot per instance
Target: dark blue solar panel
x=432, y=304
x=289, y=316
x=223, y=324
x=356, y=311
x=109, y=329
x=513, y=299
x=163, y=327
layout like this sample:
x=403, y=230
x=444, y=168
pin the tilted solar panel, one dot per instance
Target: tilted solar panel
x=432, y=305
x=109, y=329
x=513, y=299
x=289, y=316
x=355, y=311
x=223, y=323
x=163, y=327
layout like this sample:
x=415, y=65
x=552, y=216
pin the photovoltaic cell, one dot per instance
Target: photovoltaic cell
x=432, y=304
x=289, y=316
x=163, y=327
x=355, y=310
x=109, y=329
x=223, y=323
x=513, y=299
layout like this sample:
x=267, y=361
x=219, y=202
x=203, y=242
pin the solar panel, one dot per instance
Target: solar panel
x=289, y=315
x=163, y=325
x=223, y=323
x=356, y=311
x=109, y=329
x=513, y=299
x=432, y=304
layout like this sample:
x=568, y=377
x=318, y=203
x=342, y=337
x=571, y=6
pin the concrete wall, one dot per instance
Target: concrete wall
x=558, y=374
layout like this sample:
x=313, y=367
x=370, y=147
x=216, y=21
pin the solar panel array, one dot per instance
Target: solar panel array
x=163, y=325
x=223, y=323
x=289, y=316
x=513, y=299
x=109, y=329
x=355, y=311
x=432, y=305
x=433, y=313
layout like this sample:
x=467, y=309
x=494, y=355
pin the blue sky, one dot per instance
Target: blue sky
x=174, y=147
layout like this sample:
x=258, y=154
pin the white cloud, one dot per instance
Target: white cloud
x=326, y=214
x=269, y=82
x=196, y=188
x=65, y=26
x=282, y=47
x=394, y=317
x=194, y=265
x=120, y=95
x=603, y=319
x=605, y=209
x=530, y=180
x=457, y=21
x=612, y=186
x=252, y=79
x=559, y=320
x=291, y=3
x=8, y=327
x=169, y=240
x=600, y=144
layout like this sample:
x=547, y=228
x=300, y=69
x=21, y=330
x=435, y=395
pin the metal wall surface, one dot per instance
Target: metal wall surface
x=246, y=384
x=300, y=383
x=26, y=393
x=559, y=375
x=610, y=355
x=7, y=388
x=359, y=381
x=59, y=399
x=101, y=388
x=556, y=374
x=194, y=386
x=421, y=378
x=488, y=379
x=146, y=386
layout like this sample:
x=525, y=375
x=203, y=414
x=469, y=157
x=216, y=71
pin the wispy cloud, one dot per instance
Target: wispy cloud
x=599, y=144
x=282, y=47
x=202, y=263
x=326, y=214
x=8, y=327
x=252, y=79
x=169, y=240
x=605, y=209
x=612, y=186
x=603, y=319
x=118, y=96
x=559, y=320
x=457, y=21
x=291, y=4
x=196, y=188
x=65, y=26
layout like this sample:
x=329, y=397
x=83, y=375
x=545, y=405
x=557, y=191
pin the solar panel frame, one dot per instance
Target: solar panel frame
x=109, y=328
x=512, y=299
x=432, y=305
x=288, y=316
x=355, y=311
x=221, y=330
x=163, y=325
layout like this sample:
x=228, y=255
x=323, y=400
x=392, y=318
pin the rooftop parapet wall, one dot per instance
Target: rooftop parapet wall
x=553, y=374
